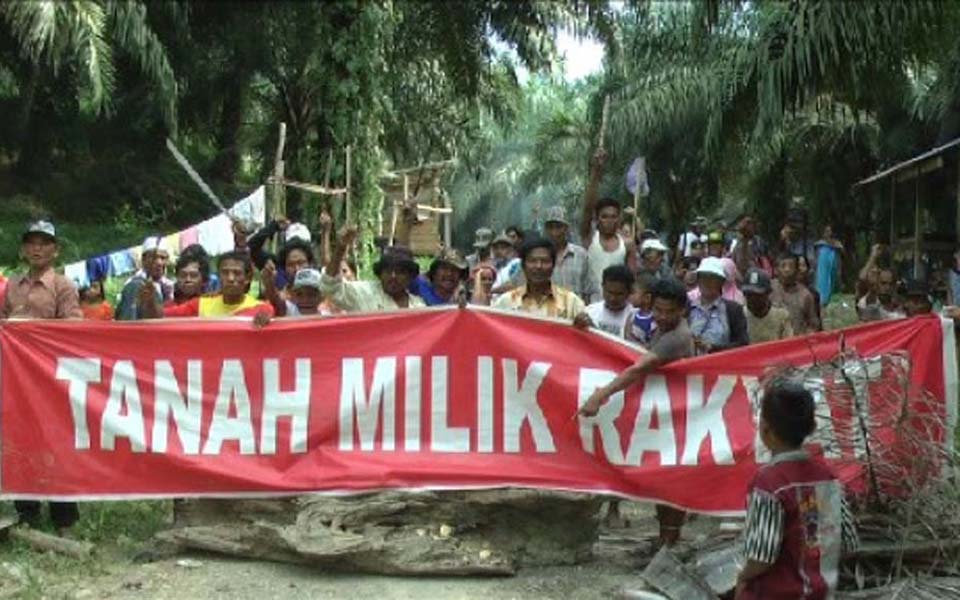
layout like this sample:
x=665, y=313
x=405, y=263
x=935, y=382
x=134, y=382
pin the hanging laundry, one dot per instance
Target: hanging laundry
x=189, y=237
x=122, y=262
x=216, y=235
x=137, y=253
x=77, y=272
x=98, y=268
x=252, y=210
x=172, y=244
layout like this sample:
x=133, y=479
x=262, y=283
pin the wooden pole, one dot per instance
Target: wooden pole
x=893, y=212
x=917, y=231
x=397, y=208
x=347, y=198
x=326, y=176
x=636, y=207
x=278, y=198
x=956, y=232
x=447, y=221
x=603, y=120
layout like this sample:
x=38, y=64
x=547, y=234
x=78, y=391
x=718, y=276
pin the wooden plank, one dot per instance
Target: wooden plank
x=440, y=165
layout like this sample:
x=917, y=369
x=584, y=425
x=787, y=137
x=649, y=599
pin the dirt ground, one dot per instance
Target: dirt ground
x=115, y=573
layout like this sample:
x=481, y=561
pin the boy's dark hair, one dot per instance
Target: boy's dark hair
x=645, y=281
x=532, y=244
x=294, y=244
x=788, y=256
x=239, y=256
x=516, y=230
x=606, y=203
x=203, y=263
x=789, y=410
x=670, y=289
x=618, y=274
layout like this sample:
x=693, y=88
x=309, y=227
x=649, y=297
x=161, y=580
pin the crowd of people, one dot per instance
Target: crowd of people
x=711, y=291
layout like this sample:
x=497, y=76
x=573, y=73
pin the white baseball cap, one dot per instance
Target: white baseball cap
x=296, y=231
x=652, y=244
x=154, y=243
x=712, y=266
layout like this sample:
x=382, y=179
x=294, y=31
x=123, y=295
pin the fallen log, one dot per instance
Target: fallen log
x=923, y=588
x=52, y=543
x=489, y=532
x=7, y=523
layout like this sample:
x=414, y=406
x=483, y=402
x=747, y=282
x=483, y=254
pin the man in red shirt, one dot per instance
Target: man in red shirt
x=235, y=271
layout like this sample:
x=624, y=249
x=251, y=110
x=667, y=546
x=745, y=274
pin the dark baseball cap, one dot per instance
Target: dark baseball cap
x=756, y=282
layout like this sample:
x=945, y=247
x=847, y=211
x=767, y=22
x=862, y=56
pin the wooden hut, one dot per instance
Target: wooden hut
x=433, y=229
x=917, y=209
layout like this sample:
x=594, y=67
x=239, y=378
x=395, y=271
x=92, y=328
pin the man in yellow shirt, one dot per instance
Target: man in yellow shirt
x=540, y=296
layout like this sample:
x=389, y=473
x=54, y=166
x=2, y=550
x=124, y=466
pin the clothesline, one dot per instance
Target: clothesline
x=215, y=235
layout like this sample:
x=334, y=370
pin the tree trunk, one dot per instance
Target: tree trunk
x=227, y=163
x=490, y=532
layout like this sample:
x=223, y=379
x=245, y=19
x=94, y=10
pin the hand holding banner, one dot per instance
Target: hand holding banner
x=446, y=398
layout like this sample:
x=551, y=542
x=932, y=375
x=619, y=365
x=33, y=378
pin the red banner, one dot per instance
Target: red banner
x=439, y=398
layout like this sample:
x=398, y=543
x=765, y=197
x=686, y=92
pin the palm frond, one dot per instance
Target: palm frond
x=131, y=30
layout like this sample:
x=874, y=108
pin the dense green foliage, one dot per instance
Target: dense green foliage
x=92, y=87
x=736, y=105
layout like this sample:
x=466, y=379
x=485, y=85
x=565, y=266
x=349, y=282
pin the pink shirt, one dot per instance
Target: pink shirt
x=51, y=296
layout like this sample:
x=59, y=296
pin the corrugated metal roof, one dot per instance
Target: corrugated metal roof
x=916, y=159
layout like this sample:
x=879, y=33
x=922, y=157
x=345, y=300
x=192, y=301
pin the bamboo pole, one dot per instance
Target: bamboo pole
x=347, y=199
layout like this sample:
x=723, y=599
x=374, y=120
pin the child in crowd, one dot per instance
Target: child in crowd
x=642, y=326
x=798, y=522
x=305, y=297
x=92, y=302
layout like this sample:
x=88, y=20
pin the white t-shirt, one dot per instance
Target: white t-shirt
x=599, y=259
x=614, y=323
x=683, y=246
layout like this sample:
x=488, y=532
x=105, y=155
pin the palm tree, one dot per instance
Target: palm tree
x=744, y=88
x=83, y=35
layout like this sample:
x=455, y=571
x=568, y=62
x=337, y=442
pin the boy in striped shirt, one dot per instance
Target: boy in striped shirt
x=798, y=522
